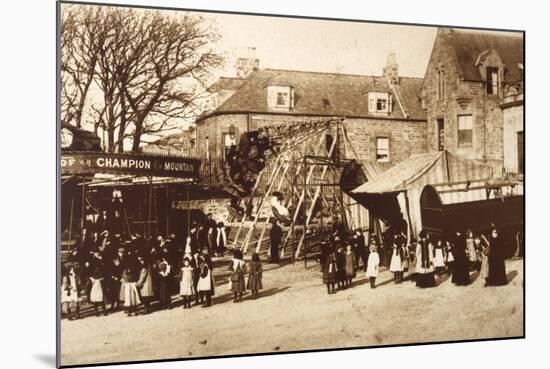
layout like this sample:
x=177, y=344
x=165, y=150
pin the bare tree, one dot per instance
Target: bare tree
x=150, y=69
x=78, y=61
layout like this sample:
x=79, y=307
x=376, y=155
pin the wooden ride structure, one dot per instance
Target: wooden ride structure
x=306, y=168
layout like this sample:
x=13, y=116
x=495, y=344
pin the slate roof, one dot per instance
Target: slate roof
x=227, y=83
x=329, y=94
x=467, y=46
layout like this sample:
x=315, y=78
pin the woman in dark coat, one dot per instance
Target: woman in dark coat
x=497, y=269
x=165, y=279
x=461, y=267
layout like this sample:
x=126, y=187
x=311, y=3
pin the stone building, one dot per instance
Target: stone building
x=383, y=114
x=473, y=97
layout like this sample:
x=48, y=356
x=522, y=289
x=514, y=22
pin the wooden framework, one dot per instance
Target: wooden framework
x=307, y=161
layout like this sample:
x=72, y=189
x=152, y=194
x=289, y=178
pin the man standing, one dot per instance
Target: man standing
x=275, y=235
x=360, y=249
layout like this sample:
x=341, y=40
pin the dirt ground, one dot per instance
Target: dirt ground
x=294, y=312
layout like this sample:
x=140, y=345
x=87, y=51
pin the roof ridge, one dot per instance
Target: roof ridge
x=331, y=73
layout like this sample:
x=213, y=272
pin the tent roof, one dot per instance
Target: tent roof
x=399, y=177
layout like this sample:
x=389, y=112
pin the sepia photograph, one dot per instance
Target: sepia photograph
x=242, y=184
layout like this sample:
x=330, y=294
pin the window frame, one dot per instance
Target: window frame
x=460, y=143
x=373, y=100
x=379, y=149
x=493, y=86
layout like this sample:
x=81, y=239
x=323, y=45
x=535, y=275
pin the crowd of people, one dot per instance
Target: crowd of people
x=111, y=273
x=420, y=261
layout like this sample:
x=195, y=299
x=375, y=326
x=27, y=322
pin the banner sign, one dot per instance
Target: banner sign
x=129, y=164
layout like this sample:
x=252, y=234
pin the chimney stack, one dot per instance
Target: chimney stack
x=247, y=65
x=391, y=70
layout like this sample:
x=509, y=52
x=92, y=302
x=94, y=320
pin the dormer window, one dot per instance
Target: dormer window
x=492, y=81
x=280, y=97
x=380, y=102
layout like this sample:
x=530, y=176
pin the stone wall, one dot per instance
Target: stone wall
x=461, y=98
x=513, y=123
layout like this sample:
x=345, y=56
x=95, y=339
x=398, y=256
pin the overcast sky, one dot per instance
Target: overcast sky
x=324, y=46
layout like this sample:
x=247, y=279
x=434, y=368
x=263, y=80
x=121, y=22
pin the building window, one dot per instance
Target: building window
x=380, y=102
x=441, y=134
x=282, y=99
x=465, y=129
x=440, y=85
x=382, y=149
x=207, y=148
x=492, y=81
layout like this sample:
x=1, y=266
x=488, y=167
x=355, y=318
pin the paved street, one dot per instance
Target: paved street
x=294, y=312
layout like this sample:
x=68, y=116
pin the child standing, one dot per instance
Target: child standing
x=237, y=276
x=439, y=257
x=187, y=284
x=341, y=263
x=255, y=275
x=329, y=273
x=69, y=292
x=396, y=263
x=349, y=266
x=450, y=259
x=205, y=286
x=471, y=250
x=373, y=265
x=96, y=293
x=131, y=294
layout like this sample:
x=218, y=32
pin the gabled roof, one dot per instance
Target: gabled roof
x=468, y=45
x=328, y=94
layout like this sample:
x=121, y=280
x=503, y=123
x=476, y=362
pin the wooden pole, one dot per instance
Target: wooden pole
x=82, y=214
x=188, y=213
x=71, y=224
x=149, y=213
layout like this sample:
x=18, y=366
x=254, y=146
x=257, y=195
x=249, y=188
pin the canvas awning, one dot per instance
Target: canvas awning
x=394, y=195
x=401, y=176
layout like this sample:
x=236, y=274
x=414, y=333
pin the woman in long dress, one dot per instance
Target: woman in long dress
x=238, y=270
x=187, y=284
x=497, y=268
x=461, y=269
x=424, y=262
x=165, y=279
